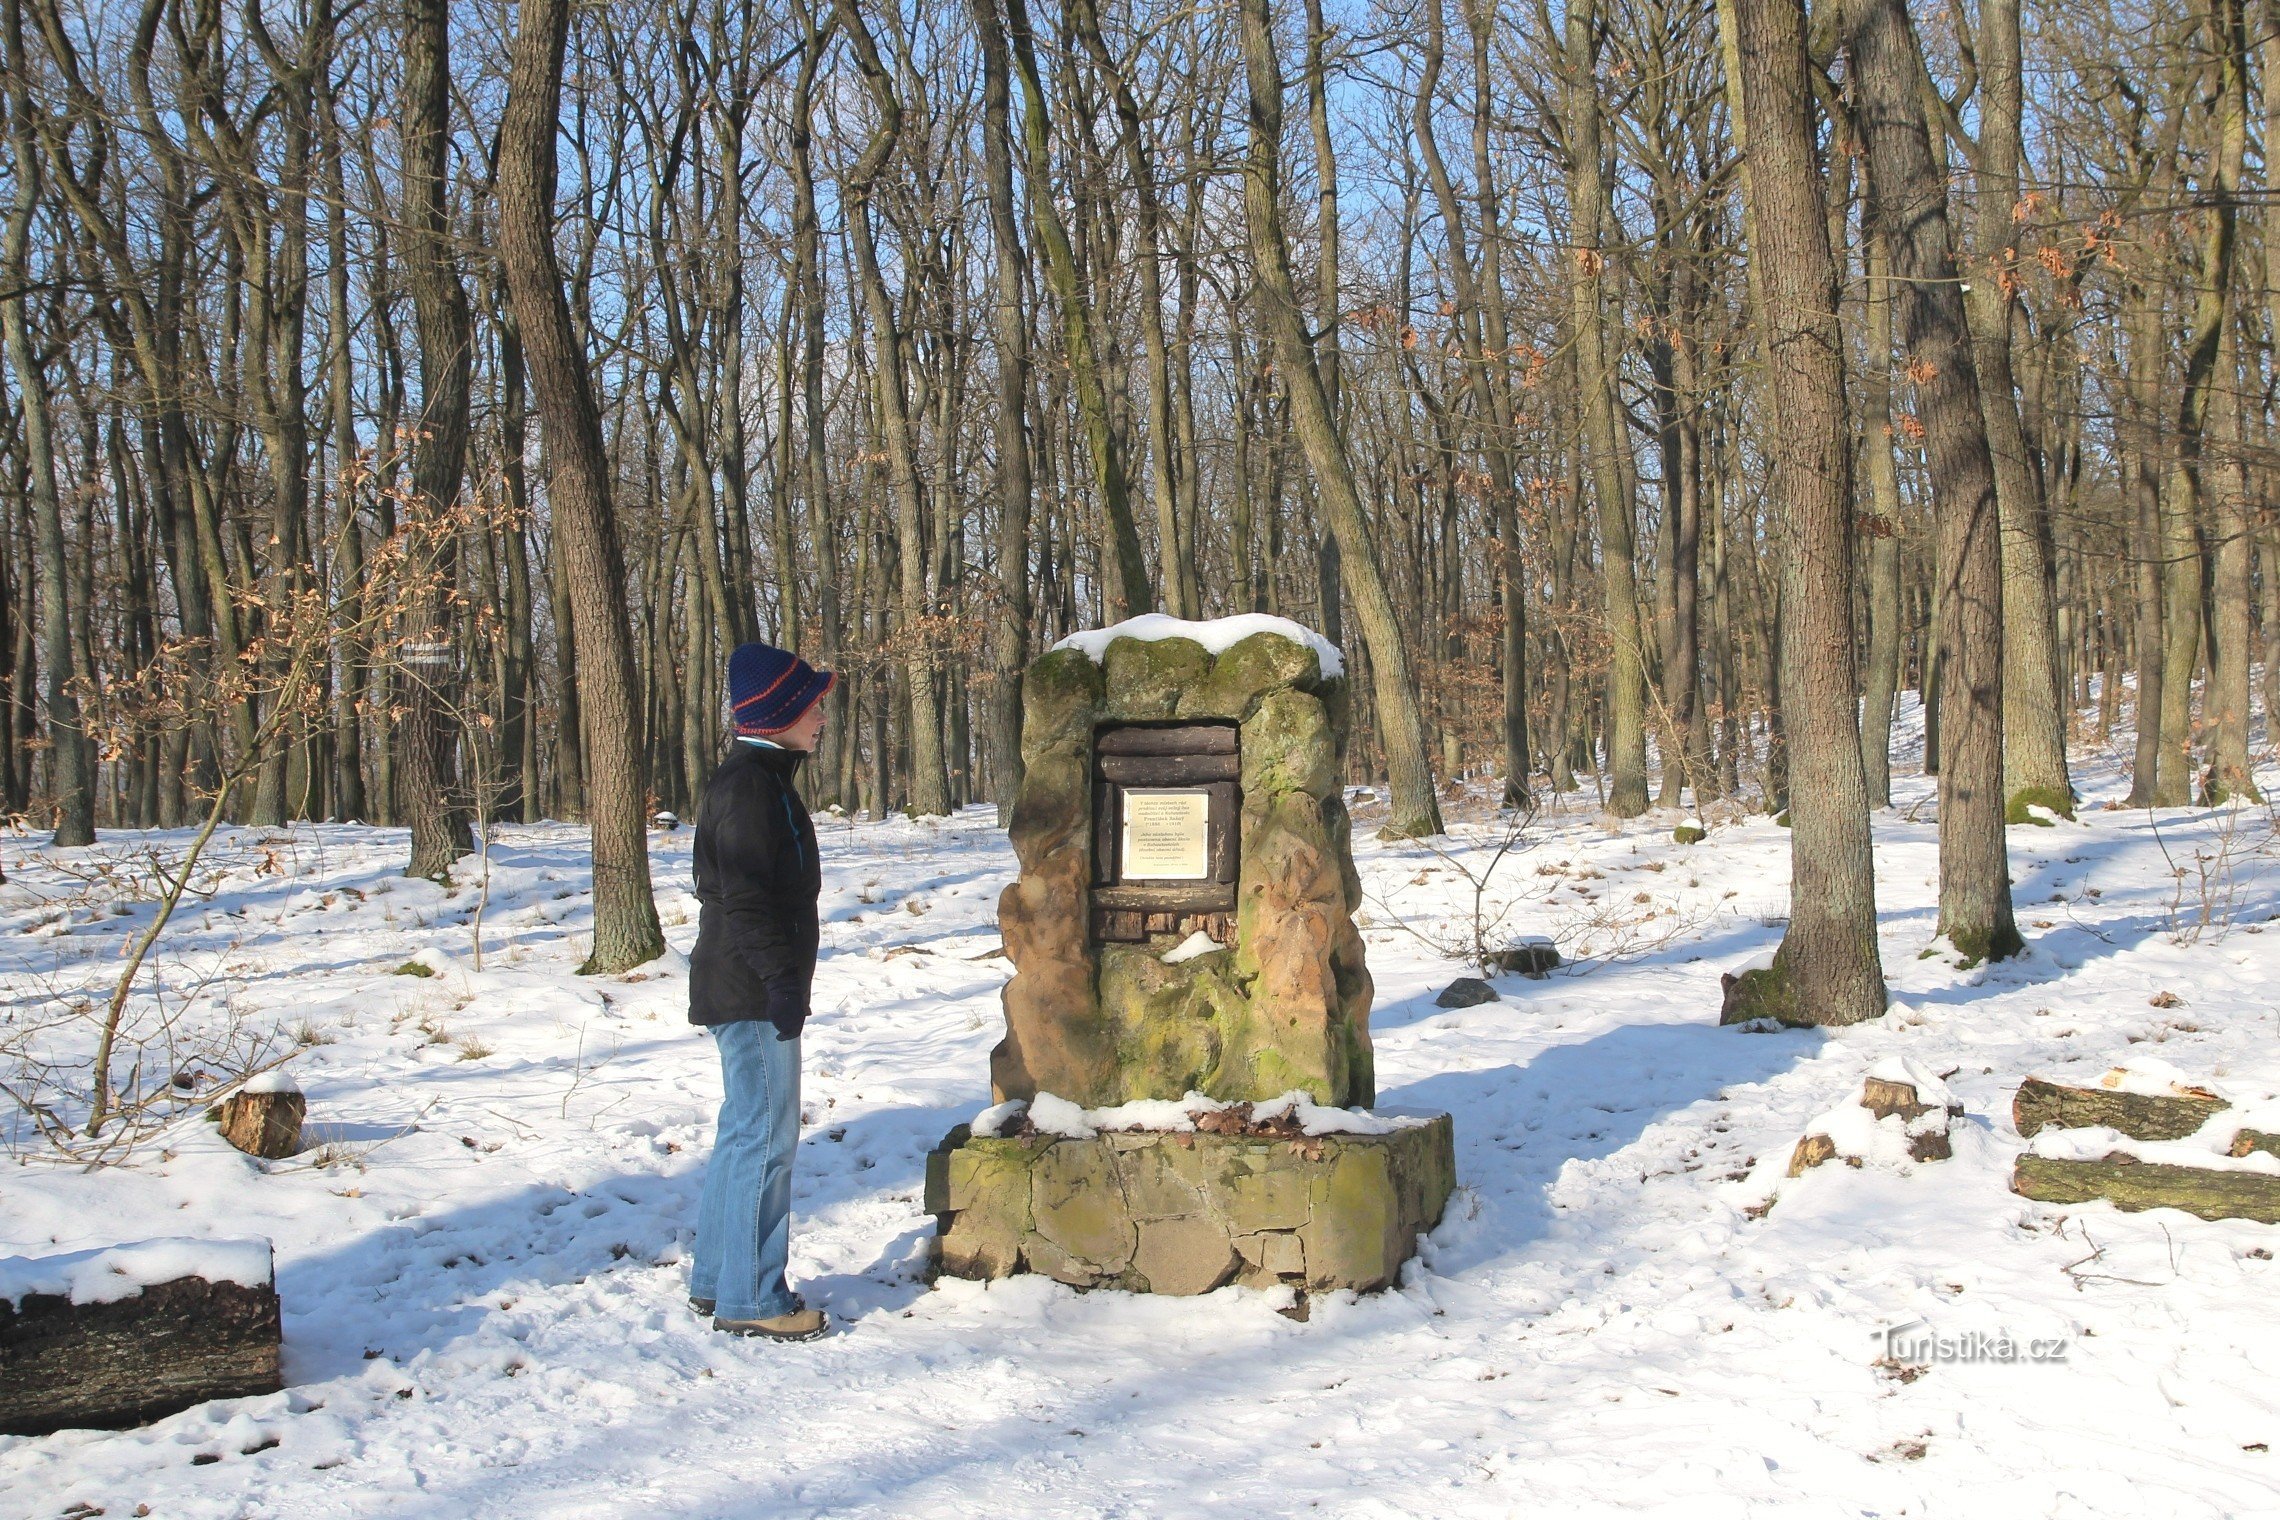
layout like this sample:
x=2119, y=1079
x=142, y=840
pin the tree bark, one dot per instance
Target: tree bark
x=1010, y=628
x=1415, y=812
x=2034, y=707
x=1827, y=970
x=1883, y=518
x=2184, y=494
x=1907, y=197
x=434, y=688
x=1603, y=426
x=1125, y=576
x=626, y=932
x=73, y=777
x=929, y=782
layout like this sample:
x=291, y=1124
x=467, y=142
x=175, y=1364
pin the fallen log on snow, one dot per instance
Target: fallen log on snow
x=2132, y=1185
x=118, y=1336
x=2043, y=1105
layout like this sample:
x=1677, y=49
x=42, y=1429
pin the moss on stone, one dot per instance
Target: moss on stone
x=1144, y=679
x=1288, y=747
x=2020, y=808
x=1248, y=670
x=1687, y=833
x=1060, y=694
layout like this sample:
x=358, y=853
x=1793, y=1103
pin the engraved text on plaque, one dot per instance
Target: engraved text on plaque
x=1166, y=835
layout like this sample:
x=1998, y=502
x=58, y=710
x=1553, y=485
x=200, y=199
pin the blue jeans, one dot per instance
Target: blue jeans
x=744, y=1218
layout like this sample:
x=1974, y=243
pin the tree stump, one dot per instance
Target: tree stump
x=67, y=1361
x=2043, y=1105
x=264, y=1123
x=1887, y=1097
x=1811, y=1151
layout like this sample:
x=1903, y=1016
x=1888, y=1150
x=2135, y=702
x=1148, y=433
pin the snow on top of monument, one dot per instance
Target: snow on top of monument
x=109, y=1273
x=1218, y=635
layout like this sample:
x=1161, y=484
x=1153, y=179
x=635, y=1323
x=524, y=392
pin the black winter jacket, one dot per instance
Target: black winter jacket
x=757, y=879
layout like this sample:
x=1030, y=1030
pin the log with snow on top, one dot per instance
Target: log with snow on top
x=129, y=1333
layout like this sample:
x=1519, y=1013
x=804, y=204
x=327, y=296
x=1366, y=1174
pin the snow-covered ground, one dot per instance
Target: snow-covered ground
x=482, y=1260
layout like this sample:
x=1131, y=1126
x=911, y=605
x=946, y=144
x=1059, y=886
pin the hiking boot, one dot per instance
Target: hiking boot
x=703, y=1308
x=799, y=1325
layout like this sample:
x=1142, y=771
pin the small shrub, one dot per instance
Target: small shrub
x=413, y=968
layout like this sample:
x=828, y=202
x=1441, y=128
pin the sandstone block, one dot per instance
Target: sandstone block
x=1184, y=1213
x=1184, y=1256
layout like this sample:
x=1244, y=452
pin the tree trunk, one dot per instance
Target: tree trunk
x=2184, y=495
x=1415, y=811
x=1603, y=426
x=72, y=773
x=1883, y=518
x=1827, y=969
x=434, y=688
x=1907, y=197
x=2034, y=709
x=625, y=914
x=1010, y=629
x=1125, y=577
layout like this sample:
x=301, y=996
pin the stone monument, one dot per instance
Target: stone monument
x=1182, y=932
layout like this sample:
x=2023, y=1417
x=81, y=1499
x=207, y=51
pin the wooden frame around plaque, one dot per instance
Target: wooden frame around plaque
x=1189, y=758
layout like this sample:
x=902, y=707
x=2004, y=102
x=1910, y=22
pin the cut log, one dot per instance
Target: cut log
x=264, y=1124
x=2131, y=1185
x=1185, y=739
x=150, y=1353
x=2141, y=1116
x=2247, y=1140
x=1169, y=770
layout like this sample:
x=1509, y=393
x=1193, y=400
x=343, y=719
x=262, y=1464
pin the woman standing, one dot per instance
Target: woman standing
x=757, y=879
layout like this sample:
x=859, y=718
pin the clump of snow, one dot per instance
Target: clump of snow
x=109, y=1273
x=1217, y=635
x=1315, y=1119
x=991, y=1122
x=2152, y=1078
x=1198, y=943
x=1930, y=1089
x=1054, y=1115
x=275, y=1080
x=1154, y=1113
x=1860, y=1135
x=438, y=961
x=2209, y=1147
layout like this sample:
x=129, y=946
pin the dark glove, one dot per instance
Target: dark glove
x=787, y=1007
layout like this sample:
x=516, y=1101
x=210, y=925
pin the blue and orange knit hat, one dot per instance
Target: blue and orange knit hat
x=770, y=689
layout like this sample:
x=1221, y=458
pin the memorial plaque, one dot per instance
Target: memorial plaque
x=1167, y=835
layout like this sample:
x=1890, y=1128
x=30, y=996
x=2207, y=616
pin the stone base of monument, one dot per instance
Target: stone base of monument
x=1183, y=1213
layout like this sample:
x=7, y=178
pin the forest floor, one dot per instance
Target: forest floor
x=482, y=1260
